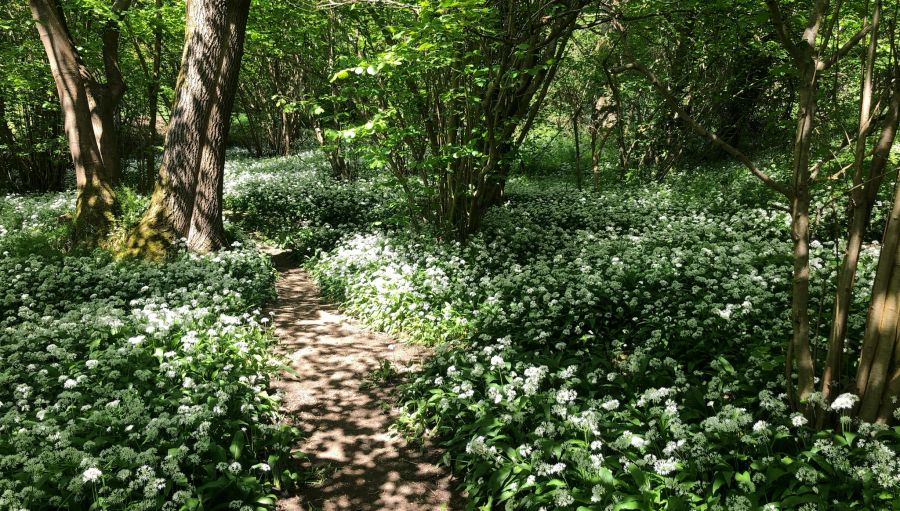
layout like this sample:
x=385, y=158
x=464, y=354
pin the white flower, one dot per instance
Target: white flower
x=610, y=405
x=665, y=466
x=496, y=361
x=234, y=468
x=137, y=339
x=564, y=396
x=760, y=427
x=70, y=384
x=798, y=420
x=597, y=493
x=563, y=498
x=90, y=364
x=90, y=475
x=844, y=402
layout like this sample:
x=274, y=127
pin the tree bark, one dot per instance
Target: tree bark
x=87, y=108
x=579, y=174
x=603, y=117
x=802, y=355
x=187, y=200
x=864, y=194
x=878, y=373
x=153, y=100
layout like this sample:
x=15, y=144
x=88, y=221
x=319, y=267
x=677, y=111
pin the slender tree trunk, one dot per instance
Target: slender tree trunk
x=153, y=100
x=253, y=125
x=339, y=167
x=802, y=355
x=107, y=97
x=86, y=110
x=13, y=160
x=602, y=118
x=286, y=128
x=187, y=200
x=579, y=175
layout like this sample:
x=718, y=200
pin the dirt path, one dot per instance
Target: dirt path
x=345, y=415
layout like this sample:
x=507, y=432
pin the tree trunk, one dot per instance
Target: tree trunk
x=603, y=117
x=864, y=194
x=153, y=100
x=339, y=167
x=87, y=108
x=800, y=347
x=187, y=200
x=878, y=374
x=579, y=175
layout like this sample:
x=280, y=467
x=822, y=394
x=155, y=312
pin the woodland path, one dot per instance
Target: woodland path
x=344, y=414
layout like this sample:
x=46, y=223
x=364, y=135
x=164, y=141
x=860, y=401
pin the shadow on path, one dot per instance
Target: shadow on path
x=346, y=422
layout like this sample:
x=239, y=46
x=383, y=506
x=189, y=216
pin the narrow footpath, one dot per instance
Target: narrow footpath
x=345, y=414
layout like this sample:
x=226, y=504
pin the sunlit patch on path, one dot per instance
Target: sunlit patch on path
x=344, y=416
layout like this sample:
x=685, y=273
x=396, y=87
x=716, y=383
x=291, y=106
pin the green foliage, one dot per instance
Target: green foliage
x=294, y=202
x=134, y=385
x=620, y=350
x=449, y=103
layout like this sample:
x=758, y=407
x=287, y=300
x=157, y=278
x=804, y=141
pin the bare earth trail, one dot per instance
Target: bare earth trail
x=345, y=416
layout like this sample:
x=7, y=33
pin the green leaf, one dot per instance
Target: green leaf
x=237, y=445
x=631, y=503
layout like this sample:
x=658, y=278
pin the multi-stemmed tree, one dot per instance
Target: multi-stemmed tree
x=88, y=107
x=187, y=201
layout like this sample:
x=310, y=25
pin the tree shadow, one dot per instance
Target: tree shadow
x=346, y=415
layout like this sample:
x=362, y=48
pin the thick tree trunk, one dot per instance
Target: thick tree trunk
x=187, y=200
x=865, y=193
x=86, y=107
x=878, y=374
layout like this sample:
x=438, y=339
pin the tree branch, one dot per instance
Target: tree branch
x=781, y=29
x=843, y=50
x=700, y=130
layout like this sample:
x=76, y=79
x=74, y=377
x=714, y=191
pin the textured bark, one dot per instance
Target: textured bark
x=866, y=186
x=187, y=200
x=802, y=355
x=87, y=108
x=878, y=373
x=859, y=220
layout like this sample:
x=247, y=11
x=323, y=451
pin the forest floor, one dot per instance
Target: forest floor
x=341, y=398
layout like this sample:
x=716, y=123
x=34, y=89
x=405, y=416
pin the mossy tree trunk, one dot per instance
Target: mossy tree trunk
x=187, y=199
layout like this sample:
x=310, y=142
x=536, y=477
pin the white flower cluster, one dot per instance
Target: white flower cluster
x=124, y=363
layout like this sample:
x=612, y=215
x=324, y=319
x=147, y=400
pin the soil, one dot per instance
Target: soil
x=345, y=411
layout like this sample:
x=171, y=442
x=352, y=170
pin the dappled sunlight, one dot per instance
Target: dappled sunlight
x=345, y=414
